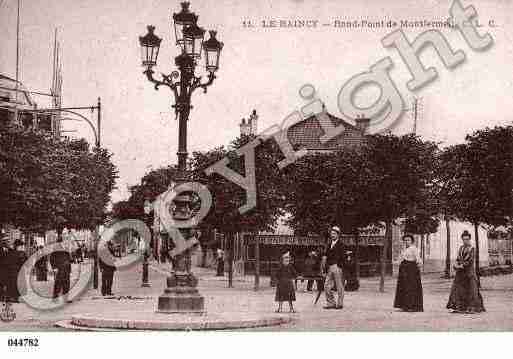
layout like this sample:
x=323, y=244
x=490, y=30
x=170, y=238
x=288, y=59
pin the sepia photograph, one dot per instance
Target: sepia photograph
x=250, y=167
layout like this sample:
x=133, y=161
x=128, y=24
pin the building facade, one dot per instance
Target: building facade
x=17, y=107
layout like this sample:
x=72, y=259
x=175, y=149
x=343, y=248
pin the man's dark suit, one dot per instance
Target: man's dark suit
x=107, y=274
x=61, y=260
x=336, y=255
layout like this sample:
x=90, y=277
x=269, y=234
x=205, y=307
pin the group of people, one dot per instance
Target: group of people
x=331, y=268
x=61, y=262
x=13, y=257
x=465, y=296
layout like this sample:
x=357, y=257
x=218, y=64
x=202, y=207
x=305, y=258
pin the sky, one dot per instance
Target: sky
x=261, y=68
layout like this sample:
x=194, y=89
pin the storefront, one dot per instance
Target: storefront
x=273, y=246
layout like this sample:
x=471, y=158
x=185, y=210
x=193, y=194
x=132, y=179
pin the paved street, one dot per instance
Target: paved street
x=365, y=310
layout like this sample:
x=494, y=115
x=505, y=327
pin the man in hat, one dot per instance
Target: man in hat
x=61, y=263
x=107, y=270
x=332, y=264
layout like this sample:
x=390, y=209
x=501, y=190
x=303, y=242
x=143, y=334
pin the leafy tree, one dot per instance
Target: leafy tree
x=402, y=168
x=152, y=184
x=48, y=183
x=446, y=189
x=92, y=179
x=379, y=181
x=227, y=197
x=483, y=180
x=324, y=189
x=125, y=210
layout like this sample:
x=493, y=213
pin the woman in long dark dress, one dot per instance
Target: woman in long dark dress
x=16, y=259
x=465, y=296
x=352, y=283
x=408, y=295
x=42, y=268
x=285, y=290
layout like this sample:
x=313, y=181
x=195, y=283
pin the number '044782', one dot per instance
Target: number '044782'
x=23, y=342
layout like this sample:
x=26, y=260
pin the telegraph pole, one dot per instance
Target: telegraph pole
x=415, y=115
x=17, y=61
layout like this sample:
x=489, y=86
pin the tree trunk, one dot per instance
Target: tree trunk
x=257, y=262
x=95, y=257
x=476, y=231
x=511, y=253
x=231, y=239
x=384, y=253
x=357, y=254
x=448, y=250
x=203, y=256
x=422, y=249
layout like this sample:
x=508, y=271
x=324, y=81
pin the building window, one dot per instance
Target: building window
x=5, y=117
x=27, y=120
x=5, y=97
x=45, y=122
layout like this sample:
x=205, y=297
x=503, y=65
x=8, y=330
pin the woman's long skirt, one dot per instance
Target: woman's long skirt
x=408, y=294
x=465, y=295
x=41, y=274
x=285, y=291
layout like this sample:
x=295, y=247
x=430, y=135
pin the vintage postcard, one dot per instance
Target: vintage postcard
x=286, y=165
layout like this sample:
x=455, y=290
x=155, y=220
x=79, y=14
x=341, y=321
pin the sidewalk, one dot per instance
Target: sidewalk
x=367, y=309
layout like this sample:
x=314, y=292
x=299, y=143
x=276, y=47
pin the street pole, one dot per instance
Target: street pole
x=145, y=272
x=257, y=262
x=16, y=116
x=384, y=255
x=95, y=257
x=478, y=272
x=97, y=229
x=99, y=121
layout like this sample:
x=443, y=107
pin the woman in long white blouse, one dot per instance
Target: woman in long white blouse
x=408, y=295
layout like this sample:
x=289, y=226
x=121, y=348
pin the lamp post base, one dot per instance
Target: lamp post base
x=181, y=295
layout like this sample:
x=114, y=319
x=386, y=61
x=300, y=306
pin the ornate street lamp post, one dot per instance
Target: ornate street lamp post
x=181, y=294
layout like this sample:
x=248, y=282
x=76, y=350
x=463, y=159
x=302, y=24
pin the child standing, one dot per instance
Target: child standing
x=285, y=290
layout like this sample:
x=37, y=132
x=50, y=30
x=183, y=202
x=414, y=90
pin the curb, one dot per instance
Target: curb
x=172, y=322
